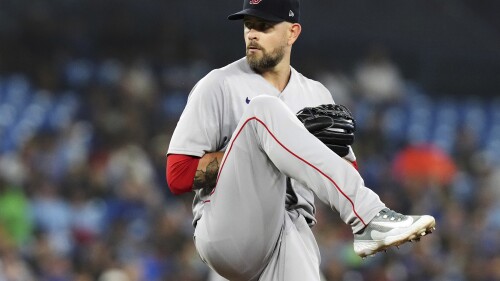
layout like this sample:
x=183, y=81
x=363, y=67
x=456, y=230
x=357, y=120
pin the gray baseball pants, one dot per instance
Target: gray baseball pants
x=245, y=233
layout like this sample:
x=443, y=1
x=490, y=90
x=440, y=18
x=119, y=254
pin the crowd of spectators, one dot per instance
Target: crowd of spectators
x=87, y=199
x=87, y=108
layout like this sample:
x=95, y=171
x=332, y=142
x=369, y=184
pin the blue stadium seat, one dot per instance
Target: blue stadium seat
x=395, y=123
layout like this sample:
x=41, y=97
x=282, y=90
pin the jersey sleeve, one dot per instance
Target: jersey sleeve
x=199, y=126
x=180, y=172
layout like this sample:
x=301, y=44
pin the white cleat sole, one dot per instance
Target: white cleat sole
x=425, y=225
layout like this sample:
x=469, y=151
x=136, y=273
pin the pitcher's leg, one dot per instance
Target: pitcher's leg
x=297, y=257
x=300, y=155
x=243, y=218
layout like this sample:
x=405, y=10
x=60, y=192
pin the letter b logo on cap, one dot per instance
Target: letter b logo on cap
x=255, y=2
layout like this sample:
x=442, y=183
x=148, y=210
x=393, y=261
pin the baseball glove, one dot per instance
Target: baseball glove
x=332, y=124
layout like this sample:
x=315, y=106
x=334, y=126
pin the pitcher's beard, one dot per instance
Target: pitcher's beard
x=267, y=61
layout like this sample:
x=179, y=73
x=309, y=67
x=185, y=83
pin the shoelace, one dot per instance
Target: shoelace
x=391, y=215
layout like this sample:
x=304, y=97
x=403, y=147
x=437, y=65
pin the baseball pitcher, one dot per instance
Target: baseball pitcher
x=255, y=142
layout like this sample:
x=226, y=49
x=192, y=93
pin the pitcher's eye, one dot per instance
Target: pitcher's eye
x=259, y=26
x=263, y=26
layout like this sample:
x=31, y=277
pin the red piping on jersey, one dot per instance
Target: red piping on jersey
x=289, y=151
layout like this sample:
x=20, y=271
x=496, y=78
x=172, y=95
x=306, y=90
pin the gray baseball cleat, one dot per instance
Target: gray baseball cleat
x=389, y=228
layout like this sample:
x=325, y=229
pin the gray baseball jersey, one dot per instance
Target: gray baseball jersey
x=255, y=224
x=215, y=107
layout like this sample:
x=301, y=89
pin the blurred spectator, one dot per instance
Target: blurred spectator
x=52, y=216
x=12, y=265
x=114, y=275
x=338, y=83
x=377, y=77
x=15, y=219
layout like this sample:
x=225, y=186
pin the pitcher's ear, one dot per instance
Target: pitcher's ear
x=295, y=30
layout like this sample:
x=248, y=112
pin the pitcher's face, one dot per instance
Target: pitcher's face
x=266, y=43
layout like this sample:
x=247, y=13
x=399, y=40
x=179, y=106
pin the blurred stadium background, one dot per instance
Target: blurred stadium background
x=90, y=92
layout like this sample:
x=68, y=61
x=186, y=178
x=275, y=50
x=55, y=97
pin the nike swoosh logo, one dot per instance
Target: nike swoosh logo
x=396, y=228
x=394, y=224
x=247, y=100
